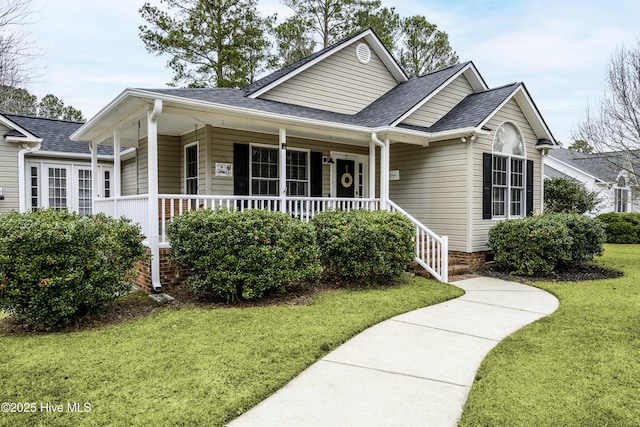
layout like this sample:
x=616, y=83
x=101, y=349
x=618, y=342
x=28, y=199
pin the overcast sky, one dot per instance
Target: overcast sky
x=560, y=49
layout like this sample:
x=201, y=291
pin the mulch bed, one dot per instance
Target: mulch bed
x=577, y=274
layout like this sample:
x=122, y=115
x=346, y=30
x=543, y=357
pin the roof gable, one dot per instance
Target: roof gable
x=279, y=77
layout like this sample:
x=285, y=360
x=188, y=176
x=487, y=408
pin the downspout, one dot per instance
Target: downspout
x=152, y=209
x=384, y=170
x=22, y=187
x=543, y=154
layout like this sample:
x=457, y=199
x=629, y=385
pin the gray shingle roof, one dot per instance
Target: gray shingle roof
x=398, y=101
x=55, y=134
x=474, y=109
x=382, y=112
x=604, y=166
x=554, y=173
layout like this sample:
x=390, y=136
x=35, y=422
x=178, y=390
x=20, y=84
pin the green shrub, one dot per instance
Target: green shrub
x=621, y=227
x=565, y=195
x=234, y=255
x=537, y=245
x=530, y=246
x=363, y=245
x=588, y=237
x=56, y=266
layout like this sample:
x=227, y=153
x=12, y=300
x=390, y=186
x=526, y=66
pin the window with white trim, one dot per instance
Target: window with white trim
x=297, y=173
x=57, y=188
x=508, y=173
x=191, y=169
x=84, y=191
x=621, y=195
x=35, y=198
x=265, y=171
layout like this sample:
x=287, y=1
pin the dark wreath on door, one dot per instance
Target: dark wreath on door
x=345, y=181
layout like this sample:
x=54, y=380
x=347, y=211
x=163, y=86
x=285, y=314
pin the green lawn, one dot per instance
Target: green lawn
x=578, y=367
x=189, y=366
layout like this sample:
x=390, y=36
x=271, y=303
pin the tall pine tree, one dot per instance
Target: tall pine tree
x=218, y=43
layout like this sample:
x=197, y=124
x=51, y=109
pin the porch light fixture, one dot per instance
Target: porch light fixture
x=327, y=160
x=283, y=146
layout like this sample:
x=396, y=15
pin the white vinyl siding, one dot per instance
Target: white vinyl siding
x=432, y=187
x=128, y=182
x=441, y=103
x=484, y=144
x=340, y=83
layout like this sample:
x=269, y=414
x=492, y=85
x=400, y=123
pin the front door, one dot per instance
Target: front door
x=345, y=179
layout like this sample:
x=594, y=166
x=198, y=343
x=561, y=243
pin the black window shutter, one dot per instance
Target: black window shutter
x=315, y=174
x=529, y=195
x=486, y=185
x=241, y=169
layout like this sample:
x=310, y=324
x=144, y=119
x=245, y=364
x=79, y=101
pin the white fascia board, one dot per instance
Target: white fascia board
x=79, y=134
x=520, y=89
x=29, y=137
x=431, y=95
x=375, y=43
x=475, y=78
x=62, y=155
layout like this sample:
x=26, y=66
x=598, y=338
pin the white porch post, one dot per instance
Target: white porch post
x=94, y=174
x=384, y=174
x=152, y=209
x=283, y=169
x=116, y=163
x=372, y=170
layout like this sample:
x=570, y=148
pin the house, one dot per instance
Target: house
x=611, y=174
x=343, y=128
x=41, y=167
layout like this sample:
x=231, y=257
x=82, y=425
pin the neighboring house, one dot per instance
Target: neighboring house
x=611, y=174
x=344, y=127
x=41, y=167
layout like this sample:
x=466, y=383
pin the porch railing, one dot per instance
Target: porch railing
x=432, y=251
x=132, y=207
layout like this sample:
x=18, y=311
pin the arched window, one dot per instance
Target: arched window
x=621, y=195
x=508, y=173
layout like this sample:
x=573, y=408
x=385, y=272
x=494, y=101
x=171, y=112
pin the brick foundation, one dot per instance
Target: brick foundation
x=473, y=260
x=171, y=275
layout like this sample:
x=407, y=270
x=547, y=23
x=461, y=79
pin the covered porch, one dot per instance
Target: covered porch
x=172, y=156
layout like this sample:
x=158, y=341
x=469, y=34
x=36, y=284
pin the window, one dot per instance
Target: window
x=621, y=195
x=264, y=171
x=191, y=168
x=58, y=188
x=35, y=200
x=84, y=191
x=506, y=181
x=107, y=183
x=297, y=173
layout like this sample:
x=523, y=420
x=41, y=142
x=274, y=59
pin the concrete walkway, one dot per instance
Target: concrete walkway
x=415, y=369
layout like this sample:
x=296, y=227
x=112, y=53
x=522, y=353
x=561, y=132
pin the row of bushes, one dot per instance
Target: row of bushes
x=537, y=245
x=243, y=255
x=56, y=266
x=621, y=227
